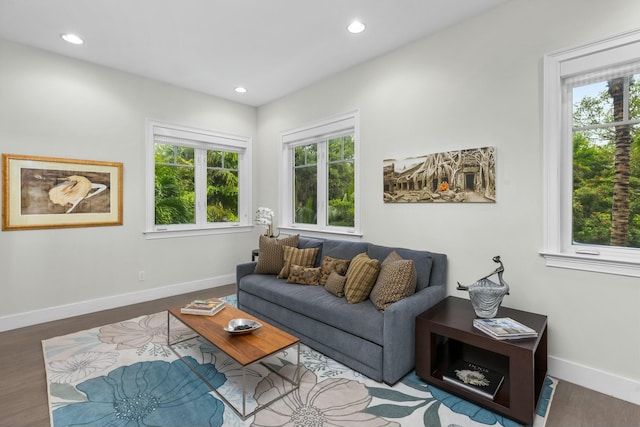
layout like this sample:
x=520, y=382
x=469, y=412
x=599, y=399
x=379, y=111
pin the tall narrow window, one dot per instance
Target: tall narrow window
x=606, y=160
x=319, y=176
x=199, y=179
x=592, y=157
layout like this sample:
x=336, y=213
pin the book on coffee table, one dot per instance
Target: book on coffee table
x=207, y=307
x=474, y=377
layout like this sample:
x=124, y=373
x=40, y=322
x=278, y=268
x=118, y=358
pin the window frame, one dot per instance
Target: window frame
x=200, y=139
x=318, y=132
x=558, y=248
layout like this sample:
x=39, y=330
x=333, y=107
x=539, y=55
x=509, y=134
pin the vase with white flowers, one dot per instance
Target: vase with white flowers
x=264, y=217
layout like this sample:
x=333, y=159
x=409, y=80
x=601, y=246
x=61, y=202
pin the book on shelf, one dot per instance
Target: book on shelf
x=473, y=377
x=206, y=307
x=504, y=328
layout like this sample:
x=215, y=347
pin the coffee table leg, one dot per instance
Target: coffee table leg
x=168, y=329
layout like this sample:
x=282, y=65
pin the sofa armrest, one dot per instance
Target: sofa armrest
x=243, y=270
x=399, y=331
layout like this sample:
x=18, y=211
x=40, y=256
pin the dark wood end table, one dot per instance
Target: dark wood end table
x=445, y=333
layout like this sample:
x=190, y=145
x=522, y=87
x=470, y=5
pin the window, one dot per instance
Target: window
x=592, y=157
x=320, y=191
x=197, y=180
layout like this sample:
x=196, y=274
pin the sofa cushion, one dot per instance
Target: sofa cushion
x=305, y=242
x=304, y=275
x=422, y=261
x=343, y=249
x=361, y=276
x=397, y=280
x=362, y=320
x=271, y=258
x=335, y=284
x=301, y=257
x=330, y=264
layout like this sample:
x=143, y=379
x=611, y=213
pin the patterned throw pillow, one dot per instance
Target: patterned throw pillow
x=335, y=283
x=304, y=275
x=361, y=276
x=271, y=258
x=302, y=257
x=330, y=264
x=397, y=280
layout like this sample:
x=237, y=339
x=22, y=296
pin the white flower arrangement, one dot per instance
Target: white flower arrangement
x=264, y=217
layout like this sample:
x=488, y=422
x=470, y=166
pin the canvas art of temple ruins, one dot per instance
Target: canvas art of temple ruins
x=452, y=176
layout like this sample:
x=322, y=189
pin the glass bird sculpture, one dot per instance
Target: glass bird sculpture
x=486, y=295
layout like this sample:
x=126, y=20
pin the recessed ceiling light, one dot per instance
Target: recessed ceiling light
x=356, y=27
x=241, y=89
x=71, y=38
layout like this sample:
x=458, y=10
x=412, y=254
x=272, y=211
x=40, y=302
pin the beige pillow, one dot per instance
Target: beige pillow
x=301, y=257
x=361, y=276
x=330, y=264
x=271, y=257
x=335, y=283
x=304, y=275
x=397, y=280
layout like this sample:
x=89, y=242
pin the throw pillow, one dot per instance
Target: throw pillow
x=361, y=276
x=302, y=257
x=303, y=275
x=271, y=258
x=330, y=264
x=335, y=284
x=397, y=280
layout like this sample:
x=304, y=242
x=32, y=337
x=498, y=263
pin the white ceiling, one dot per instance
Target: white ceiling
x=272, y=47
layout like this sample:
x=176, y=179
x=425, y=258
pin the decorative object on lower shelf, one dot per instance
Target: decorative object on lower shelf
x=207, y=307
x=504, y=328
x=486, y=295
x=474, y=377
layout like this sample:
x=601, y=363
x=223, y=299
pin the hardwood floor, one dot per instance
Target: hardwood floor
x=23, y=390
x=577, y=406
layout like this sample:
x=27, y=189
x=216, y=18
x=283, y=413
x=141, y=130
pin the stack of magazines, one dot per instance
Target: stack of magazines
x=207, y=307
x=504, y=328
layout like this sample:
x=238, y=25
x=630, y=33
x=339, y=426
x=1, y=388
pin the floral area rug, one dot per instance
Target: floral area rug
x=124, y=374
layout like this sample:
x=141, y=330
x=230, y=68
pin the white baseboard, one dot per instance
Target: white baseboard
x=76, y=309
x=594, y=379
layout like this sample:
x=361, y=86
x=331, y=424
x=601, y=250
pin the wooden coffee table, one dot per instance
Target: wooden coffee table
x=246, y=350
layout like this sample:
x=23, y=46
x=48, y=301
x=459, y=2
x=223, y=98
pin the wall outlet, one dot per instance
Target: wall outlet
x=141, y=275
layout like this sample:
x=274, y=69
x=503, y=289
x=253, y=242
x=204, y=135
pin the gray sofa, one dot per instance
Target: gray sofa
x=379, y=345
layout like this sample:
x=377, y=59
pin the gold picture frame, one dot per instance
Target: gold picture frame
x=48, y=192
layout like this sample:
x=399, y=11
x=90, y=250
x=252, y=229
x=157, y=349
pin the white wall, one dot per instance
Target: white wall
x=473, y=85
x=54, y=106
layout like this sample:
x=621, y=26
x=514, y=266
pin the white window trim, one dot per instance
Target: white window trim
x=204, y=139
x=558, y=249
x=304, y=135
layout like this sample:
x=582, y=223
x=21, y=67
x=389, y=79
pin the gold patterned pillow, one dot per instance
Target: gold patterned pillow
x=304, y=275
x=361, y=276
x=397, y=280
x=302, y=257
x=271, y=258
x=330, y=264
x=335, y=283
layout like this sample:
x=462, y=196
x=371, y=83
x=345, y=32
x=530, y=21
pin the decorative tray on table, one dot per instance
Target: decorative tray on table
x=242, y=326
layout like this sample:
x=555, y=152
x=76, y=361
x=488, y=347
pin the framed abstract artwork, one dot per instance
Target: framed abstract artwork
x=48, y=192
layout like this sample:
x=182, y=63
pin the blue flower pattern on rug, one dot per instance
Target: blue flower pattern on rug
x=147, y=393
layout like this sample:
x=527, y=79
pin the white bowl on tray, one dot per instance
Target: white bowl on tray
x=242, y=326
